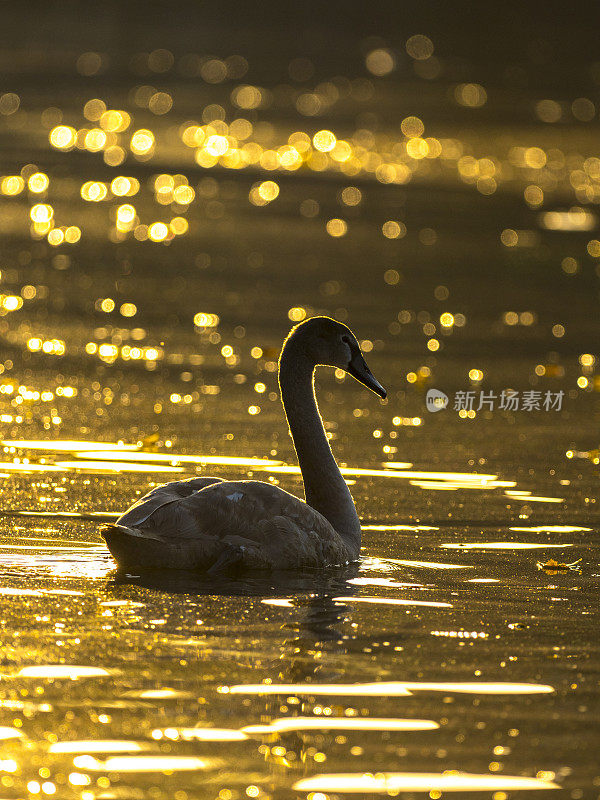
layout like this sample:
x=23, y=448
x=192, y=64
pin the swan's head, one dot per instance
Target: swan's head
x=332, y=344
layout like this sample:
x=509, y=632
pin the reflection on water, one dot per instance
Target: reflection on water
x=202, y=734
x=416, y=782
x=121, y=458
x=501, y=546
x=100, y=467
x=97, y=746
x=10, y=733
x=399, y=528
x=551, y=529
x=143, y=763
x=267, y=682
x=394, y=601
x=426, y=564
x=67, y=446
x=529, y=498
x=318, y=690
x=279, y=681
x=340, y=724
x=394, y=689
x=54, y=671
x=27, y=467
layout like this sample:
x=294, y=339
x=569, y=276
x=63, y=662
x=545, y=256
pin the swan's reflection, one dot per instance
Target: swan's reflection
x=256, y=584
x=308, y=597
x=313, y=626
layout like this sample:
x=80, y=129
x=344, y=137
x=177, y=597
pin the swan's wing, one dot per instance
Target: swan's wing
x=234, y=509
x=147, y=505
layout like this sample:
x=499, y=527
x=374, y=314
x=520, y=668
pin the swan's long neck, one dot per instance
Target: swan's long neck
x=324, y=487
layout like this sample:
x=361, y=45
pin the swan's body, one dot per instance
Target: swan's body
x=209, y=523
x=212, y=523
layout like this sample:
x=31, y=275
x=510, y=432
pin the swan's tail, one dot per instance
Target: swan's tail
x=137, y=550
x=133, y=549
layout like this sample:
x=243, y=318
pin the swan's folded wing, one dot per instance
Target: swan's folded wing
x=220, y=510
x=163, y=495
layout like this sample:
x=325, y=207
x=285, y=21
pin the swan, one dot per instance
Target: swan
x=211, y=524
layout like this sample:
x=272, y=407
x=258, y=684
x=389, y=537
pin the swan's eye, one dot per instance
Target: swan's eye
x=348, y=342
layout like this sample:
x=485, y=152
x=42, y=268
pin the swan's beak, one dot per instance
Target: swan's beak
x=358, y=369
